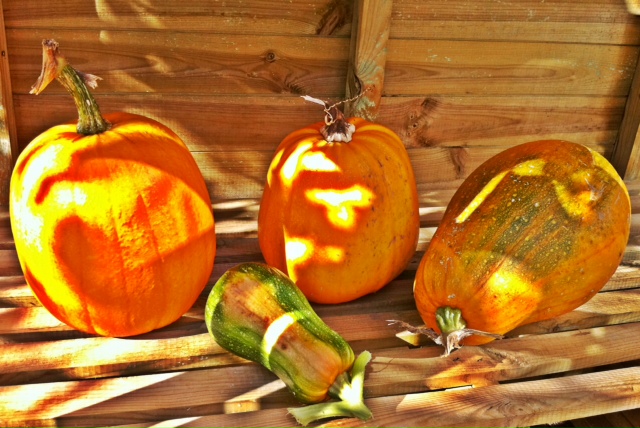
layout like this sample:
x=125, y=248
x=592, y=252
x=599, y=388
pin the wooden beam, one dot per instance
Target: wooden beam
x=8, y=136
x=368, y=55
x=626, y=153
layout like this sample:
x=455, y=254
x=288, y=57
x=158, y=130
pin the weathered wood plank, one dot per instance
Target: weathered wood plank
x=248, y=123
x=8, y=133
x=626, y=419
x=258, y=17
x=398, y=371
x=192, y=63
x=600, y=22
x=368, y=57
x=188, y=63
x=547, y=401
x=420, y=370
x=626, y=154
x=482, y=68
x=446, y=137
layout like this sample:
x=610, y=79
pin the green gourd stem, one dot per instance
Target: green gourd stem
x=55, y=66
x=348, y=388
x=450, y=320
x=90, y=121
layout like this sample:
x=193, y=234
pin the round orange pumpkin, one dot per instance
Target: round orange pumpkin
x=113, y=226
x=339, y=212
x=531, y=234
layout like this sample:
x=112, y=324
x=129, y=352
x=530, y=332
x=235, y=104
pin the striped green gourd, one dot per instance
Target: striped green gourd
x=256, y=312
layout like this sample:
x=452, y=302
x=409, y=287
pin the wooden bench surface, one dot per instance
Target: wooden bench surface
x=582, y=364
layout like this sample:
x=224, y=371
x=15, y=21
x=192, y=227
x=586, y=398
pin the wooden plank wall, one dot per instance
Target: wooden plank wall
x=8, y=135
x=463, y=79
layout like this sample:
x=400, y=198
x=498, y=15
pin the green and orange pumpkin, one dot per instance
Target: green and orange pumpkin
x=531, y=234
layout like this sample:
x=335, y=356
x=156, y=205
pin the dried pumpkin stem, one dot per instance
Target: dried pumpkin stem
x=55, y=66
x=337, y=129
x=348, y=388
x=452, y=326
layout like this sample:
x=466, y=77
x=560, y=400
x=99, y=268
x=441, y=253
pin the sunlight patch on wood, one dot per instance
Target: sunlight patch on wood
x=250, y=401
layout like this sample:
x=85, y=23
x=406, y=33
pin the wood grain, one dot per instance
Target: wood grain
x=511, y=68
x=368, y=57
x=188, y=63
x=463, y=80
x=8, y=133
x=258, y=17
x=600, y=21
x=446, y=137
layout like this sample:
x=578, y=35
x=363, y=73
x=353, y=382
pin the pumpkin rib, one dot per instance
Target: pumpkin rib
x=395, y=259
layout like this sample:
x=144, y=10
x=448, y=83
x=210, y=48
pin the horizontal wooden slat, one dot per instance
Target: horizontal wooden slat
x=102, y=401
x=188, y=63
x=258, y=17
x=464, y=80
x=462, y=67
x=547, y=401
x=599, y=22
x=447, y=137
x=626, y=419
x=260, y=123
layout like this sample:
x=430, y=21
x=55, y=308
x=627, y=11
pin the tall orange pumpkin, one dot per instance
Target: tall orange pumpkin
x=531, y=234
x=339, y=212
x=111, y=218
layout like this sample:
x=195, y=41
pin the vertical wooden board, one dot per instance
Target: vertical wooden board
x=368, y=56
x=626, y=153
x=8, y=139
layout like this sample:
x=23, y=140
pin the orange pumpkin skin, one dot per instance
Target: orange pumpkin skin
x=533, y=233
x=114, y=231
x=340, y=219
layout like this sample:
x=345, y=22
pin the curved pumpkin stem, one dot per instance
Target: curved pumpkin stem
x=55, y=66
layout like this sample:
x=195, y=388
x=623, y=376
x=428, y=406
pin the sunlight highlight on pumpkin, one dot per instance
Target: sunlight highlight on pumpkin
x=605, y=165
x=341, y=204
x=506, y=281
x=303, y=160
x=574, y=204
x=46, y=160
x=533, y=167
x=290, y=170
x=32, y=226
x=299, y=250
x=480, y=197
x=66, y=197
x=318, y=162
x=274, y=162
x=273, y=333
